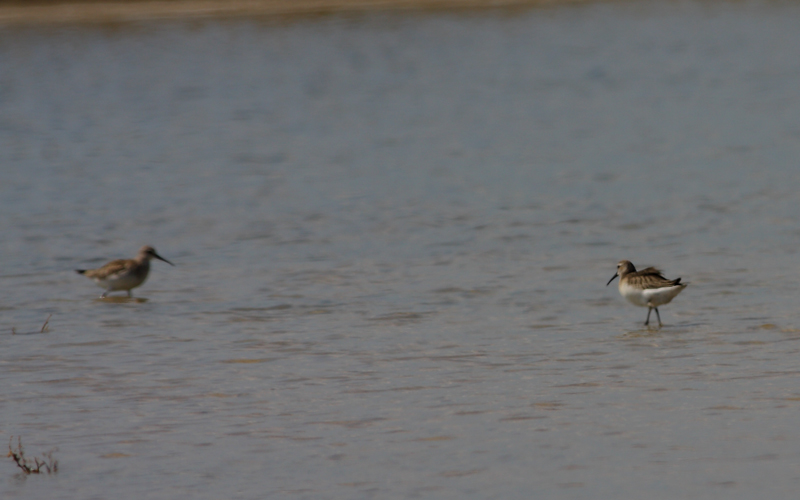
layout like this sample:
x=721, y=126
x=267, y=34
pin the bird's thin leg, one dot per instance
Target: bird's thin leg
x=658, y=316
x=104, y=294
x=131, y=295
x=647, y=321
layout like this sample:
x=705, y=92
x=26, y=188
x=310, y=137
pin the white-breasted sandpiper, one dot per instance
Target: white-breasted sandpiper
x=646, y=288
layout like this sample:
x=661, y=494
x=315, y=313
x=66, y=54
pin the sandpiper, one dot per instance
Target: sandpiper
x=646, y=288
x=123, y=274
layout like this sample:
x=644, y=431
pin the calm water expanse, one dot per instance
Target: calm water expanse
x=392, y=235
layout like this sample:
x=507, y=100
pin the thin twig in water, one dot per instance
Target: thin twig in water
x=42, y=330
x=39, y=466
x=44, y=326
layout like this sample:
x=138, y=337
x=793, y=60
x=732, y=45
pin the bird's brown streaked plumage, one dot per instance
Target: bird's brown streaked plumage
x=649, y=278
x=124, y=274
x=646, y=288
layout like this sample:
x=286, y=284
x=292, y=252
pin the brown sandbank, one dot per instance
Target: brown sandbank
x=110, y=11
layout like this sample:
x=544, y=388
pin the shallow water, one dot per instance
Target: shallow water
x=391, y=236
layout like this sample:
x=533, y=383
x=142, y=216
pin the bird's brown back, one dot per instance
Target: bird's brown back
x=650, y=278
x=112, y=268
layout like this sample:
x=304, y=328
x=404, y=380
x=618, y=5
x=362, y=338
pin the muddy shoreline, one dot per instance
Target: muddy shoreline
x=15, y=12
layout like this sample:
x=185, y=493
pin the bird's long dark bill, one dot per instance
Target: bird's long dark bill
x=162, y=258
x=612, y=279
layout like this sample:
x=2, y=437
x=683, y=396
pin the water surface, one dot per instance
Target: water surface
x=391, y=236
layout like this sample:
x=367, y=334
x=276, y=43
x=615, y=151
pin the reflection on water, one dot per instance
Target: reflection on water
x=392, y=236
x=121, y=299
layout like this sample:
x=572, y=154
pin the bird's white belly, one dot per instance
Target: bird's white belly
x=123, y=282
x=651, y=297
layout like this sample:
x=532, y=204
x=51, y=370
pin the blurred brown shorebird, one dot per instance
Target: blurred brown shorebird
x=123, y=274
